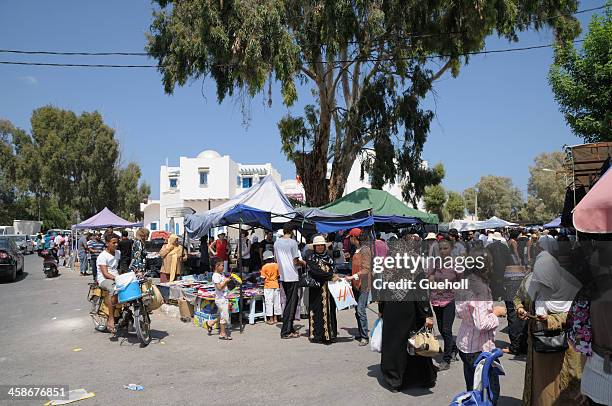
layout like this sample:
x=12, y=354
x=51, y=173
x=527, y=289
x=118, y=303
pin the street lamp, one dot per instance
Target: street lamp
x=556, y=173
x=476, y=203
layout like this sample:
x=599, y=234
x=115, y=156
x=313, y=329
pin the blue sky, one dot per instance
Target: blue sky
x=491, y=120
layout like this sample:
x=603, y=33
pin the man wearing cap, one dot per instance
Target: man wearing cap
x=361, y=279
x=220, y=251
x=287, y=256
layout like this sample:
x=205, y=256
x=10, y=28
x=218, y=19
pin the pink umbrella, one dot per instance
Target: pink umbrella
x=594, y=212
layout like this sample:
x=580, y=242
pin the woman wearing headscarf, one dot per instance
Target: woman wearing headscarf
x=551, y=378
x=173, y=256
x=404, y=312
x=323, y=327
x=139, y=253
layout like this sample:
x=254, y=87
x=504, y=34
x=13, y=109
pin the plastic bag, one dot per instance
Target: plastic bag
x=376, y=338
x=123, y=280
x=342, y=293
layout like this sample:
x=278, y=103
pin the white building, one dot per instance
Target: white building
x=353, y=182
x=201, y=183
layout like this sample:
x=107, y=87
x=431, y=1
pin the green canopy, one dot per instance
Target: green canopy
x=381, y=203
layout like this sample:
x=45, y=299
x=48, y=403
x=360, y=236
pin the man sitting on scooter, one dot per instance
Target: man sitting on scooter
x=107, y=264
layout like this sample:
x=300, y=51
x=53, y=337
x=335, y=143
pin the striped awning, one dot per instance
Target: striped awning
x=253, y=171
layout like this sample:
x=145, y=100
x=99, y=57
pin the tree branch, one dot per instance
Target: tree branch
x=439, y=73
x=308, y=72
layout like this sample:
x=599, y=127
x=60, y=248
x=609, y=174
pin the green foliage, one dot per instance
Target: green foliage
x=497, y=196
x=434, y=199
x=582, y=81
x=469, y=196
x=67, y=168
x=534, y=212
x=548, y=185
x=129, y=194
x=455, y=206
x=368, y=65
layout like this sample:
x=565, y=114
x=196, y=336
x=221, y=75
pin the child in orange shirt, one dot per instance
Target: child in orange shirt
x=269, y=271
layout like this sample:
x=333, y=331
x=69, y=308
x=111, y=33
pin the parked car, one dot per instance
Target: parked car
x=11, y=259
x=24, y=242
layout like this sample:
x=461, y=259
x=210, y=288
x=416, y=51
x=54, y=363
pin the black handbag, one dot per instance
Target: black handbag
x=307, y=281
x=547, y=341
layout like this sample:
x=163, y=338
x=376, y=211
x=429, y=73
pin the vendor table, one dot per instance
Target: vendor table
x=195, y=292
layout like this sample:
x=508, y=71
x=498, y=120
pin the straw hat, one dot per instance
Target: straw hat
x=268, y=255
x=497, y=236
x=430, y=236
x=318, y=240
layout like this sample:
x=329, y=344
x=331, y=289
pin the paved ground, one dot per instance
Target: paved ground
x=44, y=320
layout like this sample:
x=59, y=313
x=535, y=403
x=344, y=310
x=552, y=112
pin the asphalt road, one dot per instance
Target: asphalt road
x=47, y=338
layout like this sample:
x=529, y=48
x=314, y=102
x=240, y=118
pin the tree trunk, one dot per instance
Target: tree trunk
x=340, y=172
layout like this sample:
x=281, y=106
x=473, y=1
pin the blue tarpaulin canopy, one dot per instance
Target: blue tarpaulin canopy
x=397, y=221
x=556, y=223
x=331, y=226
x=247, y=215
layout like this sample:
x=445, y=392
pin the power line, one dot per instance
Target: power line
x=76, y=65
x=88, y=65
x=14, y=51
x=407, y=36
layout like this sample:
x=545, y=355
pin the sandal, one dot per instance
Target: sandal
x=225, y=338
x=209, y=328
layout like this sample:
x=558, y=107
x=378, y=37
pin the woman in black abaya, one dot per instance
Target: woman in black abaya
x=404, y=312
x=323, y=327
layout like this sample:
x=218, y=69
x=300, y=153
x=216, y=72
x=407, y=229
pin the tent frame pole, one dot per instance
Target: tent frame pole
x=239, y=262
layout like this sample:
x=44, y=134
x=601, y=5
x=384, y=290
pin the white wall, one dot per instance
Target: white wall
x=151, y=214
x=354, y=182
x=222, y=174
x=219, y=172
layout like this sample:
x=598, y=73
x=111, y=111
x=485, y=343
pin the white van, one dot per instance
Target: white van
x=4, y=230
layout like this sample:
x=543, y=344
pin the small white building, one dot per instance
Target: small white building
x=354, y=182
x=201, y=183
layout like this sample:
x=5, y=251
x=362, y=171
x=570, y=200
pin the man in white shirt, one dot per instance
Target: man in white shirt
x=548, y=243
x=288, y=258
x=107, y=264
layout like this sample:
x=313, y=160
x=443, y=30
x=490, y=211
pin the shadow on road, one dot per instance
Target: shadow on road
x=375, y=372
x=508, y=401
x=20, y=277
x=156, y=336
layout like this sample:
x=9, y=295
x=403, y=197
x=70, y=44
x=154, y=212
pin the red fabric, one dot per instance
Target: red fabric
x=221, y=249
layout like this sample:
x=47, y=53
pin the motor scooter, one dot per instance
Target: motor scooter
x=132, y=314
x=50, y=265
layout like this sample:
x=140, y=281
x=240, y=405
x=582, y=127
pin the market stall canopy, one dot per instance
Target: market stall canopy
x=106, y=218
x=311, y=220
x=493, y=222
x=594, y=212
x=247, y=215
x=381, y=203
x=265, y=195
x=556, y=223
x=496, y=222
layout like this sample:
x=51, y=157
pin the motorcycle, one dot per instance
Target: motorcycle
x=133, y=313
x=50, y=266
